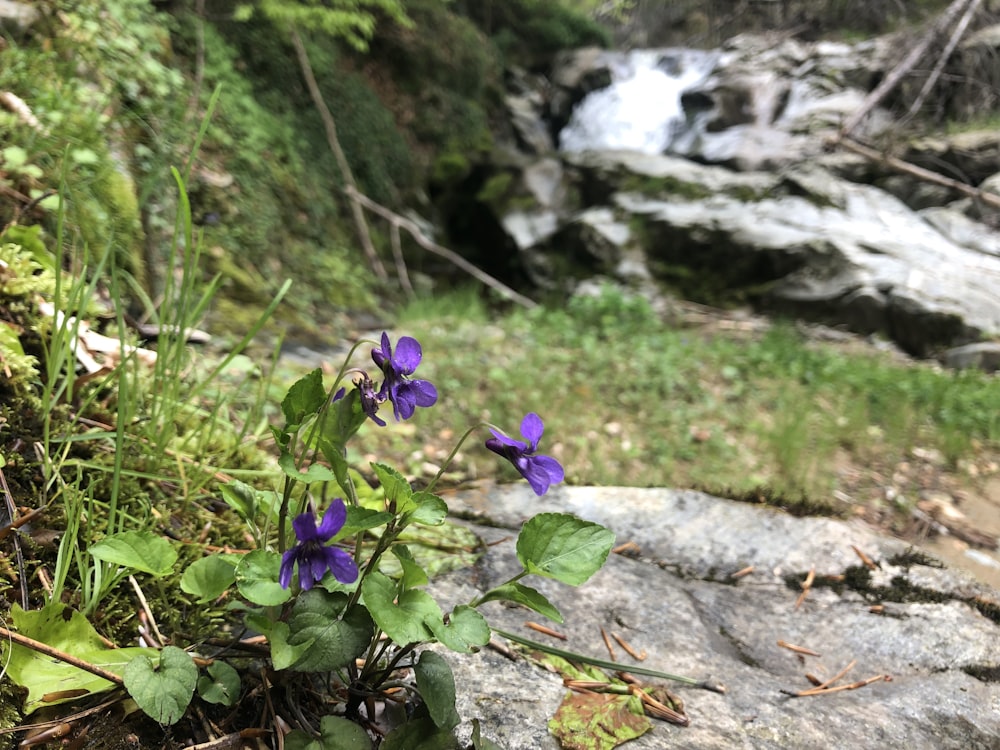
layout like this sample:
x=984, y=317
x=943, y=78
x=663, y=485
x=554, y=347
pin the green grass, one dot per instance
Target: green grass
x=628, y=399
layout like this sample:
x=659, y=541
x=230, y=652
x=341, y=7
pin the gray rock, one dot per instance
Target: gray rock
x=983, y=355
x=17, y=17
x=679, y=602
x=532, y=132
x=809, y=241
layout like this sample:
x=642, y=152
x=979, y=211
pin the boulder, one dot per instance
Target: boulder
x=711, y=589
x=810, y=243
x=983, y=355
x=772, y=102
x=17, y=17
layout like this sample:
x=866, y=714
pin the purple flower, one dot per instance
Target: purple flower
x=312, y=554
x=370, y=400
x=540, y=471
x=406, y=395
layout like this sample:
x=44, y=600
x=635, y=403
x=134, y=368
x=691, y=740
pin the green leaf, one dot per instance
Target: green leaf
x=334, y=638
x=431, y=510
x=564, y=547
x=242, y=498
x=397, y=489
x=14, y=157
x=436, y=684
x=521, y=594
x=334, y=454
x=335, y=733
x=139, y=550
x=221, y=685
x=162, y=689
x=479, y=742
x=283, y=654
x=257, y=578
x=362, y=519
x=83, y=156
x=413, y=575
x=465, y=631
x=210, y=577
x=315, y=472
x=304, y=398
x=402, y=621
x=420, y=734
x=348, y=416
x=67, y=630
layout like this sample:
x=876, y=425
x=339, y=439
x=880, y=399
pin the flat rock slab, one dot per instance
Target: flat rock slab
x=936, y=635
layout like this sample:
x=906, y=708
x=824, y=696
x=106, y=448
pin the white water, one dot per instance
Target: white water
x=641, y=109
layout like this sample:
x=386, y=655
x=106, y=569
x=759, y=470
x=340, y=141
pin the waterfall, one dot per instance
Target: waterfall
x=641, y=109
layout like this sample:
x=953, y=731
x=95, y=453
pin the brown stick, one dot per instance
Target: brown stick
x=942, y=60
x=840, y=688
x=797, y=649
x=426, y=243
x=942, y=22
x=345, y=168
x=55, y=653
x=990, y=199
x=397, y=254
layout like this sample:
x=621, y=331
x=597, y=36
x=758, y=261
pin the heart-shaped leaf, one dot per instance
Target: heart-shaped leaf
x=220, y=685
x=334, y=638
x=209, y=577
x=465, y=631
x=162, y=688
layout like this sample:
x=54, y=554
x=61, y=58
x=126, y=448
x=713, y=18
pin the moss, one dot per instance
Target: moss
x=667, y=186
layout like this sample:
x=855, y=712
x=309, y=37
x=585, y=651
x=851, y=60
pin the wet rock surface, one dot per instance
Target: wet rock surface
x=933, y=631
x=752, y=202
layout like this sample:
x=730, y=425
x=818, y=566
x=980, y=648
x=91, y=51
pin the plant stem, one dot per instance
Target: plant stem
x=451, y=456
x=605, y=664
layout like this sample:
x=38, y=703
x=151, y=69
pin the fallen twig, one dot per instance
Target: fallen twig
x=628, y=649
x=896, y=75
x=62, y=656
x=545, y=630
x=806, y=586
x=425, y=242
x=608, y=646
x=942, y=60
x=797, y=649
x=839, y=688
x=868, y=562
x=990, y=199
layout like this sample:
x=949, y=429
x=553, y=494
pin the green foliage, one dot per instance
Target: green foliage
x=720, y=411
x=530, y=31
x=69, y=631
x=162, y=688
x=137, y=550
x=351, y=20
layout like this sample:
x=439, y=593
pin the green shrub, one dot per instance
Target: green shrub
x=529, y=32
